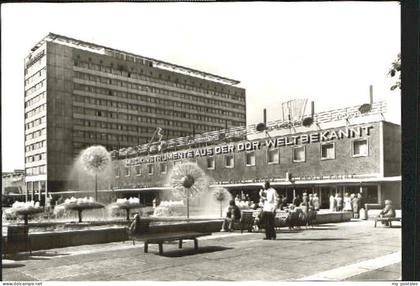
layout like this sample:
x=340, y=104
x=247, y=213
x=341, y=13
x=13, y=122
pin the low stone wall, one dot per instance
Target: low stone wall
x=333, y=217
x=57, y=239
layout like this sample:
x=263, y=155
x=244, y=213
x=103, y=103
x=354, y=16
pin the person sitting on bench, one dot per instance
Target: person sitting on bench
x=388, y=211
x=233, y=215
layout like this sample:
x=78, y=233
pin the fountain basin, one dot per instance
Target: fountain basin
x=108, y=233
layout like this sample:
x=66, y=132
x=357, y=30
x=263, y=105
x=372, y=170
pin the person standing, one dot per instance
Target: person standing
x=297, y=201
x=333, y=203
x=270, y=204
x=339, y=201
x=315, y=202
x=355, y=204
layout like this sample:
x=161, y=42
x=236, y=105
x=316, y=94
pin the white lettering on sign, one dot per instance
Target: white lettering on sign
x=315, y=137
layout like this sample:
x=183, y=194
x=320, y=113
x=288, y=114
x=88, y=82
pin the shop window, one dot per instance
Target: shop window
x=211, y=164
x=229, y=162
x=250, y=158
x=327, y=151
x=299, y=154
x=273, y=156
x=360, y=148
x=150, y=169
x=163, y=168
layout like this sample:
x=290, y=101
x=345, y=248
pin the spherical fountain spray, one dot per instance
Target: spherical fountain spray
x=188, y=180
x=95, y=160
x=221, y=195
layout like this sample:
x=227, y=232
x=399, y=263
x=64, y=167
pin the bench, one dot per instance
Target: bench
x=160, y=238
x=387, y=219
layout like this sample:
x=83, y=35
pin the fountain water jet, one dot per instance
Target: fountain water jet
x=95, y=160
x=221, y=195
x=188, y=180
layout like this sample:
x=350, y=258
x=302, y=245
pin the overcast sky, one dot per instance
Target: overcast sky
x=328, y=52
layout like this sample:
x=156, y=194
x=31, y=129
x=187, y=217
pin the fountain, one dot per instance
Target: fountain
x=79, y=205
x=221, y=195
x=188, y=180
x=127, y=205
x=95, y=161
x=25, y=209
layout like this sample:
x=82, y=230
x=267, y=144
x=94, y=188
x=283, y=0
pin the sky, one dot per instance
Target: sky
x=329, y=52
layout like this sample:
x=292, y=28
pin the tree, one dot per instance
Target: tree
x=395, y=70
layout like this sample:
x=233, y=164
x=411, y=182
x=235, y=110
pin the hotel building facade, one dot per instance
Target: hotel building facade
x=342, y=151
x=79, y=94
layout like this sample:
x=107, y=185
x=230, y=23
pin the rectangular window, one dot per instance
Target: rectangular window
x=127, y=171
x=360, y=148
x=163, y=168
x=273, y=156
x=299, y=154
x=327, y=151
x=138, y=170
x=117, y=172
x=211, y=164
x=150, y=169
x=229, y=162
x=250, y=158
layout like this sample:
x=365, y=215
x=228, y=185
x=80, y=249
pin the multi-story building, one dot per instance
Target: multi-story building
x=342, y=151
x=79, y=94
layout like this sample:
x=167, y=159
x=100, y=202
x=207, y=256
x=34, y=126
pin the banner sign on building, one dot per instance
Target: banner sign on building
x=282, y=141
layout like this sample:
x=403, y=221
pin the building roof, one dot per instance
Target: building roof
x=71, y=42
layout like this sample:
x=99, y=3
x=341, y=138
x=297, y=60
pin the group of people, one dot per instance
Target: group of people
x=269, y=201
x=309, y=201
x=352, y=203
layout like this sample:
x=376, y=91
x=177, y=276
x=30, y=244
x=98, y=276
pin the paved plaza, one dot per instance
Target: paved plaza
x=341, y=251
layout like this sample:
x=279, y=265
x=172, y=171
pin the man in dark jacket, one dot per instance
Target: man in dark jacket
x=232, y=215
x=297, y=201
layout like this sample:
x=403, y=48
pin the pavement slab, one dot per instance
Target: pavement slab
x=296, y=254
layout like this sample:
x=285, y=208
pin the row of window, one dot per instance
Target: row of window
x=36, y=76
x=161, y=106
x=36, y=87
x=359, y=148
x=148, y=88
x=168, y=103
x=133, y=140
x=35, y=111
x=36, y=146
x=35, y=122
x=38, y=170
x=160, y=79
x=155, y=121
x=36, y=157
x=35, y=99
x=36, y=134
